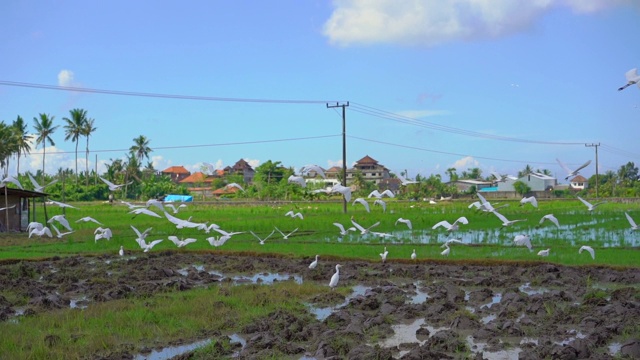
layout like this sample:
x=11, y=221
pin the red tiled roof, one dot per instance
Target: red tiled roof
x=579, y=178
x=367, y=160
x=197, y=177
x=225, y=190
x=176, y=170
x=334, y=169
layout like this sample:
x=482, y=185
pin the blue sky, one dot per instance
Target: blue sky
x=431, y=84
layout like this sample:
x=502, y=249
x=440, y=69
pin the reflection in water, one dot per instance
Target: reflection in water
x=321, y=313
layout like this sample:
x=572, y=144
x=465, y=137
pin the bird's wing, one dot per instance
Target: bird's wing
x=374, y=193
x=298, y=214
x=189, y=241
x=289, y=213
x=56, y=229
x=137, y=232
x=389, y=193
x=34, y=182
x=173, y=219
x=374, y=225
x=633, y=223
x=339, y=226
x=272, y=231
x=154, y=243
x=501, y=217
x=563, y=166
x=582, y=167
x=585, y=202
x=174, y=239
x=109, y=183
x=256, y=236
x=171, y=207
x=631, y=75
x=358, y=226
x=280, y=231
x=462, y=220
x=482, y=199
x=444, y=223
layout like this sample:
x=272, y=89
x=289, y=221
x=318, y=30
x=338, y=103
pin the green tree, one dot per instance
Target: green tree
x=74, y=129
x=526, y=171
x=141, y=148
x=44, y=129
x=22, y=138
x=8, y=145
x=628, y=174
x=453, y=175
x=521, y=188
x=87, y=130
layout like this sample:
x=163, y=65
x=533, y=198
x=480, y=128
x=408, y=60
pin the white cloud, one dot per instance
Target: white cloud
x=332, y=163
x=419, y=114
x=253, y=163
x=432, y=22
x=65, y=78
x=465, y=163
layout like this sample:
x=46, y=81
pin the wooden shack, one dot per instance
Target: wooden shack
x=16, y=205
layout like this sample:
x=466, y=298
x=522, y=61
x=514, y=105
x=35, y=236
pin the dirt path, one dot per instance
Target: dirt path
x=408, y=311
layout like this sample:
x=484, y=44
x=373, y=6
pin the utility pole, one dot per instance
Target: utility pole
x=344, y=149
x=595, y=146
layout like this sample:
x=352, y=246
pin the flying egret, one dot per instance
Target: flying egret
x=40, y=232
x=234, y=185
x=181, y=243
x=130, y=205
x=143, y=210
x=37, y=187
x=335, y=278
x=294, y=215
x=286, y=236
x=551, y=218
x=506, y=222
x=590, y=206
x=363, y=202
x=631, y=222
x=362, y=229
x=143, y=244
x=405, y=221
x=59, y=235
x=10, y=179
x=384, y=254
x=379, y=195
x=451, y=242
x=381, y=234
x=102, y=233
x=182, y=224
x=299, y=180
x=262, y=240
x=344, y=190
x=112, y=186
x=121, y=252
x=218, y=241
x=486, y=206
x=226, y=234
x=34, y=225
x=62, y=205
x=543, y=252
x=632, y=78
x=570, y=172
x=314, y=263
x=141, y=235
x=451, y=227
x=523, y=240
x=344, y=231
x=87, y=219
x=446, y=251
x=405, y=182
x=588, y=249
x=157, y=203
x=381, y=203
x=62, y=220
x=8, y=207
x=531, y=200
x=413, y=255
x=174, y=208
x=312, y=168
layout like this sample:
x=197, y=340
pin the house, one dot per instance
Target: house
x=225, y=190
x=241, y=167
x=176, y=173
x=197, y=179
x=16, y=208
x=464, y=185
x=579, y=183
x=536, y=181
x=370, y=169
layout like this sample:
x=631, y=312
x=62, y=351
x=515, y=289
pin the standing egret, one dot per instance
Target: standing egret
x=384, y=254
x=543, y=252
x=632, y=78
x=571, y=173
x=121, y=252
x=314, y=263
x=413, y=255
x=631, y=222
x=590, y=207
x=335, y=278
x=588, y=249
x=446, y=251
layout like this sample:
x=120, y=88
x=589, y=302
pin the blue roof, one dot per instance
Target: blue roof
x=180, y=198
x=489, y=189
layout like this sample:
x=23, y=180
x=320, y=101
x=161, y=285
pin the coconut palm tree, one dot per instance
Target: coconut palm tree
x=22, y=138
x=8, y=145
x=87, y=130
x=74, y=128
x=43, y=124
x=140, y=148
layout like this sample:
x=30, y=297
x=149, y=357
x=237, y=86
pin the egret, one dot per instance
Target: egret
x=102, y=233
x=121, y=252
x=523, y=240
x=446, y=251
x=37, y=187
x=570, y=172
x=405, y=182
x=40, y=232
x=181, y=243
x=312, y=168
x=362, y=229
x=384, y=254
x=344, y=190
x=588, y=249
x=12, y=180
x=486, y=206
x=174, y=209
x=143, y=244
x=59, y=235
x=234, y=185
x=378, y=194
x=590, y=206
x=87, y=219
x=294, y=215
x=531, y=200
x=413, y=255
x=182, y=224
x=381, y=203
x=112, y=186
x=62, y=205
x=451, y=242
x=218, y=241
x=451, y=227
x=506, y=222
x=299, y=180
x=225, y=233
x=314, y=263
x=262, y=240
x=381, y=234
x=140, y=235
x=551, y=218
x=631, y=222
x=142, y=210
x=130, y=205
x=286, y=236
x=155, y=202
x=335, y=278
x=405, y=221
x=61, y=220
x=543, y=252
x=34, y=225
x=632, y=78
x=363, y=202
x=344, y=231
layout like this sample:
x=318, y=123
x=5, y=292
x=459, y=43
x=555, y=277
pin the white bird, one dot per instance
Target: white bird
x=551, y=218
x=570, y=172
x=404, y=221
x=363, y=230
x=12, y=180
x=631, y=222
x=590, y=206
x=218, y=241
x=384, y=254
x=405, y=181
x=262, y=240
x=234, y=185
x=130, y=205
x=112, y=186
x=286, y=236
x=181, y=243
x=37, y=187
x=210, y=227
x=413, y=255
x=59, y=235
x=143, y=210
x=324, y=191
x=174, y=208
x=543, y=252
x=143, y=244
x=140, y=235
x=314, y=263
x=101, y=233
x=121, y=252
x=486, y=206
x=210, y=167
x=451, y=242
x=312, y=168
x=505, y=221
x=344, y=231
x=34, y=225
x=381, y=203
x=335, y=278
x=185, y=224
x=523, y=240
x=226, y=235
x=451, y=227
x=8, y=207
x=588, y=249
x=299, y=180
x=40, y=232
x=378, y=194
x=87, y=219
x=446, y=251
x=294, y=215
x=363, y=202
x=157, y=203
x=381, y=234
x=62, y=220
x=632, y=78
x=62, y=205
x=531, y=200
x=344, y=190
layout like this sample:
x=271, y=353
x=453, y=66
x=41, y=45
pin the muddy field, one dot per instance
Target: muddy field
x=416, y=311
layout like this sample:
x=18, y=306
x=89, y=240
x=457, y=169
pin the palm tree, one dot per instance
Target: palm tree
x=8, y=146
x=526, y=171
x=140, y=148
x=22, y=138
x=74, y=129
x=87, y=130
x=44, y=129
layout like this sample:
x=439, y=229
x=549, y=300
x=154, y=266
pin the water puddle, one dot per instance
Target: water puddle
x=78, y=303
x=173, y=351
x=407, y=333
x=321, y=313
x=477, y=347
x=485, y=320
x=614, y=348
x=494, y=300
x=420, y=297
x=527, y=289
